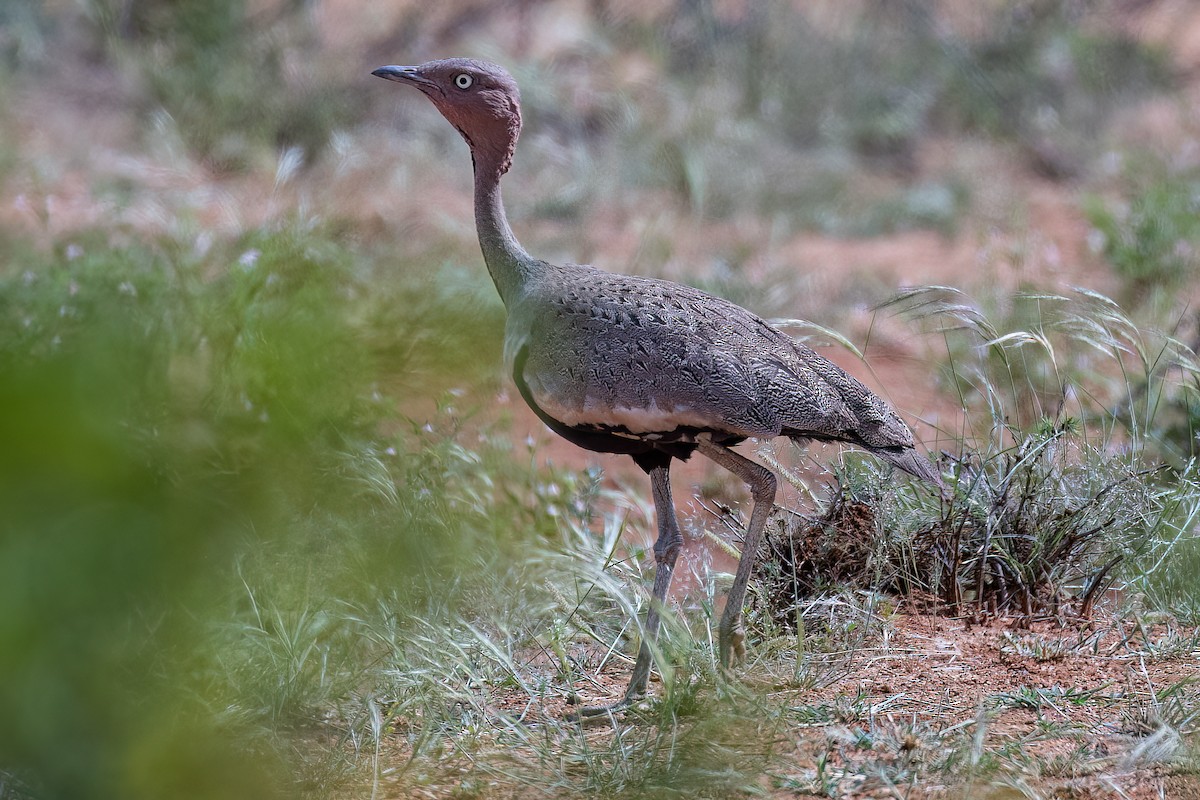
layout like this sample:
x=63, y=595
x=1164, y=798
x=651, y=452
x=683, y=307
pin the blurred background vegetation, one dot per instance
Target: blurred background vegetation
x=265, y=494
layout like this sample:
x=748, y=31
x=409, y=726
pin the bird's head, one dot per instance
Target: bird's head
x=478, y=98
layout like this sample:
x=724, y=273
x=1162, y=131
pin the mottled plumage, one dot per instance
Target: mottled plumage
x=655, y=360
x=649, y=368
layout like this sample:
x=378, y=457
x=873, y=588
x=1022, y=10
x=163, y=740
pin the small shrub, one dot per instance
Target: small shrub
x=1044, y=526
x=1046, y=515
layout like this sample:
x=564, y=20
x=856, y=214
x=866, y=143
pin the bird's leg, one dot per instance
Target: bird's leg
x=666, y=551
x=762, y=489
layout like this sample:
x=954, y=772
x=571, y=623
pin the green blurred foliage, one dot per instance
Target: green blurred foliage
x=1150, y=234
x=1038, y=72
x=23, y=30
x=883, y=77
x=820, y=120
x=771, y=109
x=166, y=416
x=1151, y=239
x=108, y=512
x=222, y=75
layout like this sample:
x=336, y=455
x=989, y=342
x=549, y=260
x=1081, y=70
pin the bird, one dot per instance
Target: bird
x=648, y=368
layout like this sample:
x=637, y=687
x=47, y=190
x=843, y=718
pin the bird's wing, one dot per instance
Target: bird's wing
x=651, y=357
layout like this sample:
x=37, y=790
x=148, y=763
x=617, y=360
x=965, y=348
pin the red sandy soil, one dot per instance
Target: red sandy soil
x=922, y=678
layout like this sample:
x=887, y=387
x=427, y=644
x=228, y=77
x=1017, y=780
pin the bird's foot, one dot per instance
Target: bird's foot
x=592, y=714
x=733, y=647
x=737, y=643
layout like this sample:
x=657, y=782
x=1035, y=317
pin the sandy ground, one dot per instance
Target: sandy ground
x=1070, y=704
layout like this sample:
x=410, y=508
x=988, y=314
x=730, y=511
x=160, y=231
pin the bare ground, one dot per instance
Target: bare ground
x=929, y=708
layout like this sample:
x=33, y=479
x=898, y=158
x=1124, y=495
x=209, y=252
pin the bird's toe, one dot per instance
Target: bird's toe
x=734, y=650
x=592, y=715
x=733, y=646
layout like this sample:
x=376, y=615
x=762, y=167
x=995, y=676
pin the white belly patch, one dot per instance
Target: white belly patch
x=650, y=418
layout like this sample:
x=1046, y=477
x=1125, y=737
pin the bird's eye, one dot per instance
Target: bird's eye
x=463, y=80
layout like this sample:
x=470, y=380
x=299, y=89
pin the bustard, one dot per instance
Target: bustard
x=648, y=368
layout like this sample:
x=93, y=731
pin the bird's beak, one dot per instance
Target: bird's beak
x=405, y=75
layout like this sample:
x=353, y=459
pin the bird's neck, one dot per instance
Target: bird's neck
x=506, y=260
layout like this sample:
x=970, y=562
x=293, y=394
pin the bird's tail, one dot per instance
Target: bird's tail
x=912, y=462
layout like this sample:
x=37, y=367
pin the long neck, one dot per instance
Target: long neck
x=506, y=260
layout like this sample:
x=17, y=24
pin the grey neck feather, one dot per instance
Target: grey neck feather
x=510, y=266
